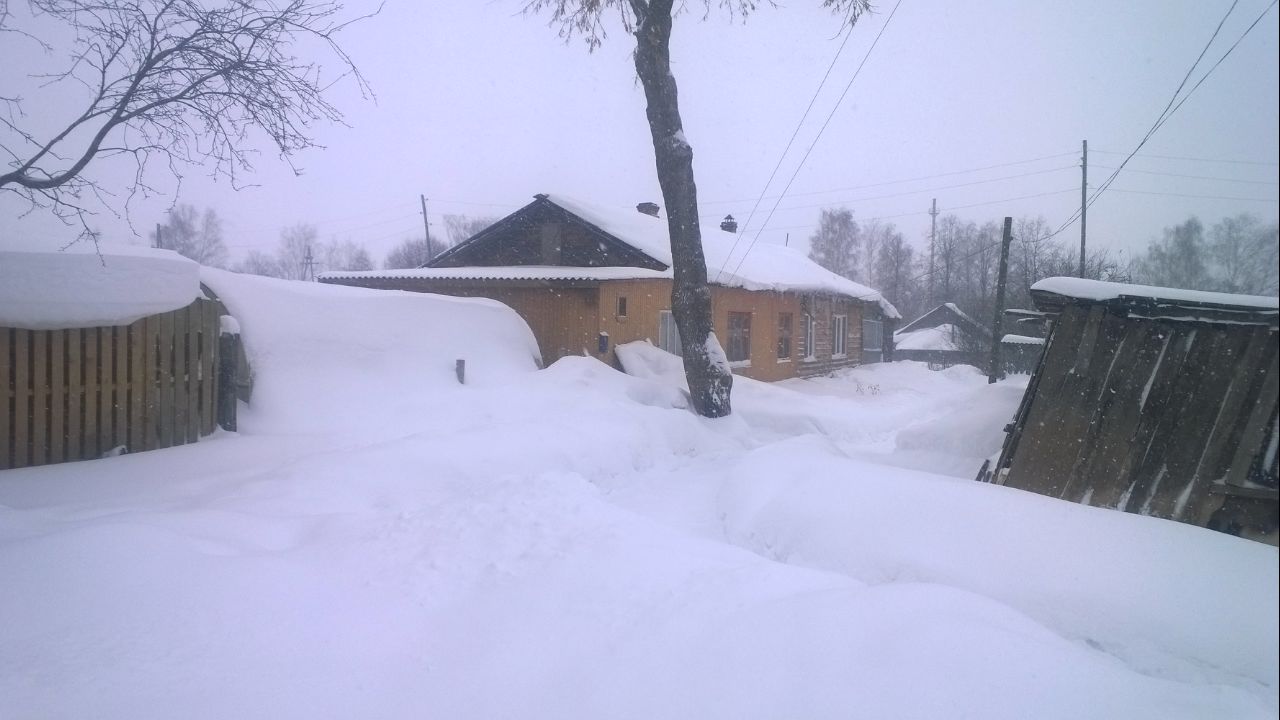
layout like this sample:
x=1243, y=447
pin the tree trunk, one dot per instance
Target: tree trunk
x=705, y=365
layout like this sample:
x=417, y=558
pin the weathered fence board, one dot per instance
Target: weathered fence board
x=79, y=393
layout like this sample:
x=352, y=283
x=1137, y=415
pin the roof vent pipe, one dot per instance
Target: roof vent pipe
x=728, y=224
x=648, y=208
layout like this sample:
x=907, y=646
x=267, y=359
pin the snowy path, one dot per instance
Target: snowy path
x=567, y=543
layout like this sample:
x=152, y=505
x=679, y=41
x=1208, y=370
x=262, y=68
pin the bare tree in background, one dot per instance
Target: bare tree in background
x=343, y=255
x=1243, y=255
x=460, y=228
x=258, y=262
x=297, y=243
x=834, y=245
x=192, y=234
x=705, y=365
x=178, y=82
x=412, y=253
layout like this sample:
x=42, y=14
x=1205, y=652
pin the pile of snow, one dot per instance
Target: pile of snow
x=575, y=543
x=92, y=286
x=344, y=359
x=942, y=337
x=1101, y=291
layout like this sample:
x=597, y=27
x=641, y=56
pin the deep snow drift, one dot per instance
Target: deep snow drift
x=380, y=541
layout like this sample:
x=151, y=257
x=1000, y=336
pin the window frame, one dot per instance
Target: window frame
x=810, y=338
x=669, y=333
x=620, y=306
x=839, y=336
x=786, y=331
x=739, y=339
x=876, y=325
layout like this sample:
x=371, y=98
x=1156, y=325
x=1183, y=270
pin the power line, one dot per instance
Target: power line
x=924, y=190
x=821, y=130
x=897, y=182
x=785, y=150
x=1199, y=197
x=1192, y=159
x=1193, y=177
x=953, y=207
x=1171, y=107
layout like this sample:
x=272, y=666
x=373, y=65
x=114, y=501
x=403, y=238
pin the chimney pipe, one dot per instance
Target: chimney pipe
x=648, y=208
x=729, y=224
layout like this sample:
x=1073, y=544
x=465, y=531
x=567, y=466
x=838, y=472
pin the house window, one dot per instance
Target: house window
x=668, y=333
x=784, y=336
x=622, y=306
x=740, y=338
x=808, y=350
x=839, y=335
x=872, y=335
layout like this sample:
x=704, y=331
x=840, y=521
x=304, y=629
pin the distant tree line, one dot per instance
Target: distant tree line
x=199, y=235
x=1236, y=255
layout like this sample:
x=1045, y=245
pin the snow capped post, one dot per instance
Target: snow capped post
x=994, y=373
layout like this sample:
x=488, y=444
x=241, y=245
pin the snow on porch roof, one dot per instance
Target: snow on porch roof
x=1101, y=291
x=766, y=267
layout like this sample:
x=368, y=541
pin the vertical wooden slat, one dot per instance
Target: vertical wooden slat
x=179, y=376
x=58, y=397
x=194, y=324
x=165, y=381
x=39, y=397
x=89, y=363
x=75, y=395
x=121, y=407
x=22, y=398
x=106, y=385
x=208, y=372
x=6, y=398
x=137, y=385
x=151, y=387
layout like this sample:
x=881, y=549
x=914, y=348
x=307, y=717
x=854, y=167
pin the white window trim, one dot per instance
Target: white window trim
x=810, y=338
x=784, y=360
x=841, y=339
x=740, y=363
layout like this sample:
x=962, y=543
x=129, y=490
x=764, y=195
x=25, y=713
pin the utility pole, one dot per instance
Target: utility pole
x=159, y=242
x=1084, y=204
x=994, y=371
x=308, y=265
x=426, y=226
x=933, y=231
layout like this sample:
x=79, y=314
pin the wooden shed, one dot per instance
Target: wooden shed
x=1155, y=401
x=945, y=335
x=587, y=279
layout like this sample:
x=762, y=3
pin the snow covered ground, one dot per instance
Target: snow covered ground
x=379, y=541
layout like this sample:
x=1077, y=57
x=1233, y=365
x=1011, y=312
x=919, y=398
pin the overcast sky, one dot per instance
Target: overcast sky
x=479, y=107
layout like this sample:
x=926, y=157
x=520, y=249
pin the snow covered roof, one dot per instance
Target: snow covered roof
x=1022, y=340
x=1100, y=291
x=505, y=272
x=948, y=313
x=43, y=288
x=765, y=267
x=732, y=260
x=941, y=337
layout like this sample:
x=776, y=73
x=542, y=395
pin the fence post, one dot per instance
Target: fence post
x=460, y=367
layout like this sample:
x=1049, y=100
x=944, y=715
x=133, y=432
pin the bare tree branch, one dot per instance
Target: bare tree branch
x=184, y=81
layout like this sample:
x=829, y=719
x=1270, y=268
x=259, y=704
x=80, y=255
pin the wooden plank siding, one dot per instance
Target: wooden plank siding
x=75, y=394
x=1148, y=415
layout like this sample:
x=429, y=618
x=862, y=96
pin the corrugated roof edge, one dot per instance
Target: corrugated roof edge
x=1103, y=291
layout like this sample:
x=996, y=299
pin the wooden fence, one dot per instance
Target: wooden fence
x=1155, y=415
x=82, y=393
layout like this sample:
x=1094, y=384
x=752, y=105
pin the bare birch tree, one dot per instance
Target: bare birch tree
x=175, y=82
x=650, y=21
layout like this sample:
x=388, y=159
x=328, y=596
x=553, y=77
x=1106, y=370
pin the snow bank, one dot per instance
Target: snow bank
x=1099, y=290
x=335, y=358
x=380, y=541
x=84, y=286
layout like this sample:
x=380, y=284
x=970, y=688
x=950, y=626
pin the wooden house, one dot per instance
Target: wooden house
x=945, y=335
x=587, y=279
x=1154, y=401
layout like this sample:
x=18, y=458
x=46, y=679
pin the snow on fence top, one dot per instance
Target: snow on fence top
x=1101, y=291
x=83, y=286
x=1022, y=340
